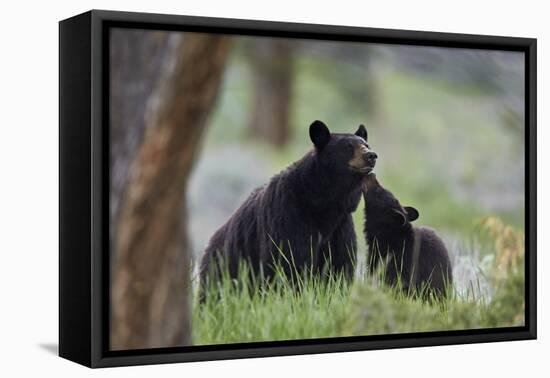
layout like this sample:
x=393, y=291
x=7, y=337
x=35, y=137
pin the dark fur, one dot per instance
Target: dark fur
x=304, y=209
x=391, y=237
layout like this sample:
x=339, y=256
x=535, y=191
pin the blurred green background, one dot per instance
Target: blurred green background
x=447, y=124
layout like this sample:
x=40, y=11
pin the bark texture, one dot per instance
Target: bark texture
x=151, y=266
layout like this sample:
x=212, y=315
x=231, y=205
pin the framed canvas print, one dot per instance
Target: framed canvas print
x=234, y=188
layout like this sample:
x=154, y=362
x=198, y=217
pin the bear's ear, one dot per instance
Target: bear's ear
x=362, y=132
x=319, y=134
x=412, y=213
x=400, y=217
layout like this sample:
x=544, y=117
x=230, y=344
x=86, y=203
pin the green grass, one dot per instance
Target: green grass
x=234, y=314
x=237, y=312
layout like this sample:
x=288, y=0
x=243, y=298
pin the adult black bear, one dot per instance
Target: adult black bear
x=302, y=217
x=415, y=256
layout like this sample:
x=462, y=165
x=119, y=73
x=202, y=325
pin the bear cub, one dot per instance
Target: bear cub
x=415, y=256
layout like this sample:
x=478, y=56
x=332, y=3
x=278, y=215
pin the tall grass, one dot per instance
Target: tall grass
x=243, y=310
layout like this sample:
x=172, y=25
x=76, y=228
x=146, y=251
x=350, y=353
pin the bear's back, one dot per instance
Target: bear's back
x=434, y=261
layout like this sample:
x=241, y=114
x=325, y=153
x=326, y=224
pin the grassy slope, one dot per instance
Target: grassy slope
x=330, y=309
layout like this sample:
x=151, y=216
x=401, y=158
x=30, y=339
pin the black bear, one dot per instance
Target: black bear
x=302, y=217
x=415, y=257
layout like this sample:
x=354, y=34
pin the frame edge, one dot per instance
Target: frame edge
x=74, y=190
x=97, y=359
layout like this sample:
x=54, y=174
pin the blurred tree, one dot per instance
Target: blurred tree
x=350, y=72
x=137, y=60
x=271, y=62
x=150, y=264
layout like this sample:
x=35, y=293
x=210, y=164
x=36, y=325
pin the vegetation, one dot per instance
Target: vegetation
x=322, y=308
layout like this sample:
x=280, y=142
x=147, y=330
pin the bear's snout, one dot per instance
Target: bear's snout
x=370, y=158
x=363, y=159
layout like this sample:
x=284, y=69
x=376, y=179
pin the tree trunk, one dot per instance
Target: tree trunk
x=137, y=60
x=271, y=64
x=151, y=267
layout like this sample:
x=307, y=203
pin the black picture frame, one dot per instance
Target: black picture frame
x=84, y=188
